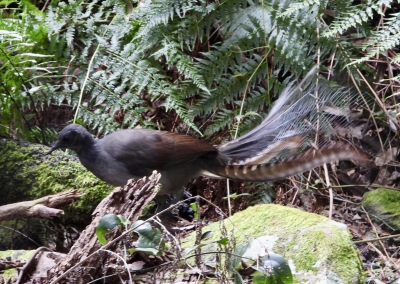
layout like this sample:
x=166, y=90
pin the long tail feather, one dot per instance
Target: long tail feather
x=297, y=164
x=304, y=115
x=295, y=137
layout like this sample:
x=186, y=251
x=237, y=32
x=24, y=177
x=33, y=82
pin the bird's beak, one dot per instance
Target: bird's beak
x=55, y=147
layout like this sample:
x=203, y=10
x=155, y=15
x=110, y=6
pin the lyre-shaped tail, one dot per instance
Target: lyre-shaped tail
x=296, y=136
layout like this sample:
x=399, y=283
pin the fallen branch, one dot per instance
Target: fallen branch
x=40, y=208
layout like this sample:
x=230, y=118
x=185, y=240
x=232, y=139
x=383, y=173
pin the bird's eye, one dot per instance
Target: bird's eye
x=66, y=139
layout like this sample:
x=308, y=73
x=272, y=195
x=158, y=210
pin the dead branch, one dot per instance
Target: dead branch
x=87, y=258
x=42, y=208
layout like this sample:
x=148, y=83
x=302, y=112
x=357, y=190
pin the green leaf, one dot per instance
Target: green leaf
x=235, y=195
x=237, y=256
x=149, y=237
x=206, y=235
x=275, y=270
x=107, y=223
x=189, y=250
x=223, y=241
x=195, y=209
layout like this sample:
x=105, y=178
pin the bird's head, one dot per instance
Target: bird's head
x=71, y=137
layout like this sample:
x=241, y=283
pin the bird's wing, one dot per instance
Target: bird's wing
x=143, y=151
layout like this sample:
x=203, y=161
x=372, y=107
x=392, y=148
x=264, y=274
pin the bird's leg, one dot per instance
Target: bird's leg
x=183, y=210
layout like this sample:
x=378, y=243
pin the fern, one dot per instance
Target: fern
x=387, y=37
x=238, y=63
x=169, y=58
x=294, y=8
x=352, y=16
x=24, y=70
x=202, y=60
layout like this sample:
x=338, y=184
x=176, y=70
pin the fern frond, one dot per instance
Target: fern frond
x=387, y=37
x=353, y=16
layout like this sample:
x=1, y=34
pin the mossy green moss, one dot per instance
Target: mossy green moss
x=309, y=240
x=27, y=173
x=12, y=273
x=383, y=204
x=17, y=254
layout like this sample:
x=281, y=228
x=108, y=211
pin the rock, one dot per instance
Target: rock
x=26, y=173
x=383, y=207
x=318, y=250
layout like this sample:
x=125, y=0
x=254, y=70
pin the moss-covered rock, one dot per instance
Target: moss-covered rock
x=383, y=206
x=315, y=247
x=26, y=173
